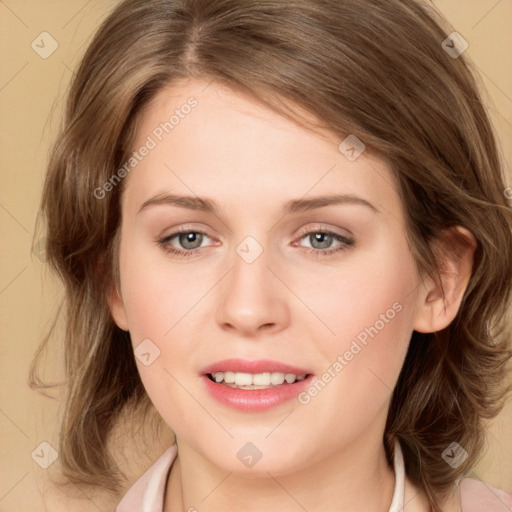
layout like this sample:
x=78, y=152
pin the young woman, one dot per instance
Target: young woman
x=283, y=225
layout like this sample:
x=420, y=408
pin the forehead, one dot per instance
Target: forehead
x=210, y=141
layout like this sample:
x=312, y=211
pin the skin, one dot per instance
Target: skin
x=289, y=305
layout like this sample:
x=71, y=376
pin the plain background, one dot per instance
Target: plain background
x=32, y=92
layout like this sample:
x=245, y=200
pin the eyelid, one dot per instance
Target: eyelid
x=324, y=228
x=185, y=229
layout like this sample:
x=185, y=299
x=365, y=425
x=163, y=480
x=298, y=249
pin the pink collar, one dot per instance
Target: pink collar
x=147, y=493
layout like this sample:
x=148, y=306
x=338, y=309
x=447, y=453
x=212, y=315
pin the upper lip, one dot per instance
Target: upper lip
x=259, y=366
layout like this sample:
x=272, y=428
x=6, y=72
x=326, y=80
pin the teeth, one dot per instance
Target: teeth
x=243, y=379
x=256, y=379
x=229, y=377
x=260, y=379
x=277, y=378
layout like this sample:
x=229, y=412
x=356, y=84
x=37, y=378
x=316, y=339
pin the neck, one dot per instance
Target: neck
x=357, y=478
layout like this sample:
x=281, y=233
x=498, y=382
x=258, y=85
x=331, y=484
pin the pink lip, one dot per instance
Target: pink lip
x=254, y=400
x=260, y=366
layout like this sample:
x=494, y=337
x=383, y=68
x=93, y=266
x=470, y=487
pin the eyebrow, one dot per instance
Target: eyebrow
x=293, y=206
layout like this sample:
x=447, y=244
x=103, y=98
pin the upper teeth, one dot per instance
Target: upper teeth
x=256, y=379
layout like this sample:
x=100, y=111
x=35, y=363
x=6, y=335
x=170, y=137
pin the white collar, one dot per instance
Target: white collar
x=398, y=501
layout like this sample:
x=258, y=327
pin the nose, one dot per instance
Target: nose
x=251, y=299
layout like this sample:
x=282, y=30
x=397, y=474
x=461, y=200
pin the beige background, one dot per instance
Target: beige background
x=32, y=90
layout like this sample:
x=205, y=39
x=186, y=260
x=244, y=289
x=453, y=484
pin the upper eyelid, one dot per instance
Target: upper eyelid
x=318, y=227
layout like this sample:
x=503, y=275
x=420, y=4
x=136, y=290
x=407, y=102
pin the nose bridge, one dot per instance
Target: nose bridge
x=250, y=265
x=249, y=278
x=250, y=295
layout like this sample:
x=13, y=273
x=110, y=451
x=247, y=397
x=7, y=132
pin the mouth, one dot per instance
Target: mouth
x=254, y=385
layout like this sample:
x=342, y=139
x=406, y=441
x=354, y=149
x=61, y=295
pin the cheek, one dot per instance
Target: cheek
x=156, y=296
x=369, y=298
x=370, y=315
x=157, y=300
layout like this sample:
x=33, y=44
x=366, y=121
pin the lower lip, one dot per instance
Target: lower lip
x=255, y=399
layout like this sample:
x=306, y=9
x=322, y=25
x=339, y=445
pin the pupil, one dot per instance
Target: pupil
x=320, y=236
x=190, y=238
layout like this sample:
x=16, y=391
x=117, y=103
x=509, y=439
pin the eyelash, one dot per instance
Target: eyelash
x=345, y=243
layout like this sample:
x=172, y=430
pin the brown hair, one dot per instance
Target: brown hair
x=373, y=68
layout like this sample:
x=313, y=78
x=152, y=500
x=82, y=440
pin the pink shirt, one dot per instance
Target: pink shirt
x=147, y=493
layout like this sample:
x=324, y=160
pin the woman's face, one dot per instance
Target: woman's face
x=292, y=261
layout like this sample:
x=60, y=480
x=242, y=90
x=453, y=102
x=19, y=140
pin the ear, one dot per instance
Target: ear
x=108, y=265
x=439, y=302
x=116, y=305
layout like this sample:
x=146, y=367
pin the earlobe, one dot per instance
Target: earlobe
x=439, y=302
x=117, y=308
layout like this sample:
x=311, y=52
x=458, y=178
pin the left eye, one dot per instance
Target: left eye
x=321, y=239
x=321, y=242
